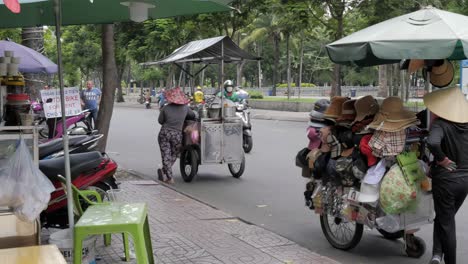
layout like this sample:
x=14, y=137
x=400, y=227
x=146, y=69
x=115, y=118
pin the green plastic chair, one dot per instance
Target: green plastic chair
x=84, y=195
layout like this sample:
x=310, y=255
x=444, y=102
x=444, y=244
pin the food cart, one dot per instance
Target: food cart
x=217, y=135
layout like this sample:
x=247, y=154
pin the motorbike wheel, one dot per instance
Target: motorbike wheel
x=43, y=129
x=340, y=233
x=248, y=144
x=102, y=187
x=237, y=169
x=188, y=164
x=415, y=246
x=391, y=236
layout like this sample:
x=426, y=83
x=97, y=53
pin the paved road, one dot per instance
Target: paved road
x=269, y=193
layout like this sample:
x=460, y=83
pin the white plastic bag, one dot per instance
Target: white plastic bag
x=23, y=186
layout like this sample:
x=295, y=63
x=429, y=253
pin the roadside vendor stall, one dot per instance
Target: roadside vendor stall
x=375, y=170
x=220, y=138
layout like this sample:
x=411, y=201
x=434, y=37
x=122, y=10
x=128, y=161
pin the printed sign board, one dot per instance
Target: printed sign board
x=52, y=105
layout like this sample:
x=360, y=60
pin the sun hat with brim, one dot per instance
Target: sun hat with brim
x=395, y=126
x=415, y=65
x=348, y=113
x=442, y=76
x=316, y=124
x=365, y=106
x=449, y=104
x=335, y=108
x=392, y=115
x=176, y=96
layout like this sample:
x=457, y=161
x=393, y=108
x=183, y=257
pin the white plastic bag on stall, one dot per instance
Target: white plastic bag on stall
x=23, y=186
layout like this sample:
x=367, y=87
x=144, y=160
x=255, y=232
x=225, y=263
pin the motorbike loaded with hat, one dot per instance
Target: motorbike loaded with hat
x=368, y=168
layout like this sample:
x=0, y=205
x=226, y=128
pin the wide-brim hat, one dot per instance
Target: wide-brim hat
x=348, y=113
x=365, y=106
x=415, y=65
x=335, y=108
x=449, y=104
x=442, y=76
x=392, y=116
x=316, y=124
x=176, y=96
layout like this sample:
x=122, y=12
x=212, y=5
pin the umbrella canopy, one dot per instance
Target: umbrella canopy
x=206, y=51
x=31, y=60
x=74, y=12
x=429, y=33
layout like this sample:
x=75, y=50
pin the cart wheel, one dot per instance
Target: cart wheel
x=237, y=169
x=341, y=233
x=247, y=144
x=391, y=236
x=188, y=164
x=415, y=246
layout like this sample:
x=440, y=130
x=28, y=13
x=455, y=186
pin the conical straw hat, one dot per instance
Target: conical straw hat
x=448, y=103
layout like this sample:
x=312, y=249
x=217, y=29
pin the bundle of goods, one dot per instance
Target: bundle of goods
x=368, y=164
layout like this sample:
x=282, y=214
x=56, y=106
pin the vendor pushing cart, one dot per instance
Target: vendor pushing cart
x=387, y=188
x=216, y=136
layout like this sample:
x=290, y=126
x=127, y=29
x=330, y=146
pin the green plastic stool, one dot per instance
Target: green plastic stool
x=127, y=218
x=84, y=195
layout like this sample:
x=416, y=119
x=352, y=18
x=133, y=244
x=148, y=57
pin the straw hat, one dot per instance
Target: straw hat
x=449, y=104
x=365, y=106
x=393, y=117
x=176, y=96
x=335, y=108
x=442, y=75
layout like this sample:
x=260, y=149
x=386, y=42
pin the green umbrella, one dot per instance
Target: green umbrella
x=41, y=12
x=429, y=33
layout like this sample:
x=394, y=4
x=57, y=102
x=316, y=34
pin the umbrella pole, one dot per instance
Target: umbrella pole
x=58, y=23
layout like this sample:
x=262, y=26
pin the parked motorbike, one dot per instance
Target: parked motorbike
x=91, y=170
x=76, y=144
x=242, y=111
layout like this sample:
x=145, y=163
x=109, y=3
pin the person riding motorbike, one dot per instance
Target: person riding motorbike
x=198, y=96
x=229, y=92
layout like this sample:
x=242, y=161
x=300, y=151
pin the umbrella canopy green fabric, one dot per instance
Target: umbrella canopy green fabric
x=429, y=33
x=74, y=12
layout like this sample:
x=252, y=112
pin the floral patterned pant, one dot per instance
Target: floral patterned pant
x=170, y=142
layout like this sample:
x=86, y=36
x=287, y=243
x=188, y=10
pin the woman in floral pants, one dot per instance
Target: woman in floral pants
x=172, y=118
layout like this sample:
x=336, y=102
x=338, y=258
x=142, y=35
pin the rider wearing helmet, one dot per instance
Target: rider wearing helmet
x=198, y=96
x=229, y=91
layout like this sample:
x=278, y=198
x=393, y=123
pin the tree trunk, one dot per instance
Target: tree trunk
x=383, y=88
x=170, y=77
x=110, y=83
x=276, y=40
x=202, y=78
x=33, y=37
x=240, y=70
x=300, y=63
x=259, y=65
x=336, y=83
x=288, y=71
x=390, y=78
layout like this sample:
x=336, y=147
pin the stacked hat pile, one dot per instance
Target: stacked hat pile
x=356, y=137
x=9, y=64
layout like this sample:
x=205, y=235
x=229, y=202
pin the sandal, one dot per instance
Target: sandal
x=169, y=181
x=160, y=175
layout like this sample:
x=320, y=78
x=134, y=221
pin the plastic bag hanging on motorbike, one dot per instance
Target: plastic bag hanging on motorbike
x=192, y=133
x=29, y=186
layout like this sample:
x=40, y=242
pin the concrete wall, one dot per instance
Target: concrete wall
x=281, y=106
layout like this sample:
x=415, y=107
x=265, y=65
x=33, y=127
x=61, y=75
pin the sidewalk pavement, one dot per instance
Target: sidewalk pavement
x=255, y=113
x=184, y=231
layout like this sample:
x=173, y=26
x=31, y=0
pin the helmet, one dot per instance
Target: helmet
x=199, y=88
x=228, y=86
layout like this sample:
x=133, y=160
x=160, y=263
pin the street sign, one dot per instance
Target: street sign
x=52, y=105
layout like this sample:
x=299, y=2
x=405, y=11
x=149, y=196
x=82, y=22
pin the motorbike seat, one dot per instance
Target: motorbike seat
x=48, y=148
x=79, y=163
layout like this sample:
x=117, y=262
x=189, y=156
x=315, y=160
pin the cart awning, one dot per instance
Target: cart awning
x=206, y=51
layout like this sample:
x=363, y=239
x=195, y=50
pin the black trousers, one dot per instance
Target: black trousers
x=449, y=195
